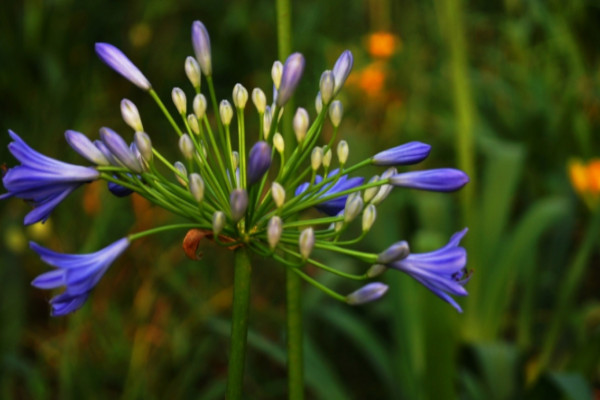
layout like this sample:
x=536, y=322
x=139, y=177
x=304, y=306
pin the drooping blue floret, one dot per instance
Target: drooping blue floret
x=442, y=271
x=405, y=154
x=120, y=63
x=437, y=180
x=343, y=183
x=79, y=273
x=42, y=180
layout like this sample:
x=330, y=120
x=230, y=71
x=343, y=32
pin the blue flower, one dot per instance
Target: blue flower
x=442, y=271
x=119, y=62
x=438, y=180
x=333, y=206
x=406, y=154
x=79, y=273
x=292, y=72
x=368, y=293
x=42, y=180
x=259, y=161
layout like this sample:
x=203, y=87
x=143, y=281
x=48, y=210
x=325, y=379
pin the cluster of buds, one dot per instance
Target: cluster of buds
x=245, y=190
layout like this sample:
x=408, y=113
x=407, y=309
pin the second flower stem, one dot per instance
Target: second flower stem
x=294, y=336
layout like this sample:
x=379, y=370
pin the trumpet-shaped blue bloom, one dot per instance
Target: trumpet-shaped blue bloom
x=405, y=154
x=79, y=273
x=437, y=180
x=442, y=271
x=42, y=180
x=332, y=206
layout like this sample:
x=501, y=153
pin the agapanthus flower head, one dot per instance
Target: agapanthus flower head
x=78, y=273
x=241, y=197
x=119, y=62
x=442, y=271
x=41, y=180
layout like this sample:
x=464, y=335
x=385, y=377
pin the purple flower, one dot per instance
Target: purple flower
x=201, y=43
x=366, y=294
x=332, y=206
x=238, y=200
x=438, y=180
x=79, y=273
x=119, y=148
x=292, y=71
x=341, y=69
x=259, y=161
x=42, y=180
x=85, y=148
x=119, y=62
x=118, y=190
x=442, y=271
x=406, y=154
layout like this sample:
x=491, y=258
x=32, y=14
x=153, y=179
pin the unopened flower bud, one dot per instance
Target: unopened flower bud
x=326, y=86
x=278, y=143
x=368, y=218
x=218, y=222
x=226, y=112
x=196, y=187
x=260, y=100
x=327, y=158
x=342, y=152
x=372, y=191
x=199, y=106
x=85, y=148
x=300, y=123
x=259, y=161
x=336, y=111
x=370, y=292
x=119, y=149
x=341, y=69
x=119, y=62
x=144, y=145
x=186, y=146
x=376, y=270
x=397, y=251
x=131, y=115
x=318, y=103
x=292, y=71
x=201, y=43
x=192, y=70
x=193, y=123
x=240, y=96
x=181, y=172
x=354, y=205
x=235, y=159
x=278, y=193
x=384, y=190
x=179, y=100
x=274, y=230
x=276, y=72
x=316, y=157
x=306, y=242
x=238, y=200
x=267, y=118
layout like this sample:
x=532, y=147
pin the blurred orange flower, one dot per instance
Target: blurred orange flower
x=383, y=44
x=585, y=179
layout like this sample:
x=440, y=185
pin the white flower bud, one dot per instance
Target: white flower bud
x=192, y=70
x=199, y=106
x=384, y=190
x=336, y=111
x=274, y=230
x=372, y=191
x=186, y=146
x=179, y=100
x=326, y=86
x=240, y=96
x=306, y=242
x=316, y=157
x=354, y=205
x=368, y=218
x=182, y=171
x=276, y=72
x=376, y=270
x=267, y=122
x=218, y=222
x=318, y=103
x=196, y=187
x=226, y=112
x=193, y=123
x=278, y=142
x=235, y=159
x=327, y=158
x=260, y=100
x=278, y=193
x=131, y=115
x=342, y=152
x=144, y=145
x=300, y=123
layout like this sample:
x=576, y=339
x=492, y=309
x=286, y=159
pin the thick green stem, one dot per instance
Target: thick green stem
x=239, y=324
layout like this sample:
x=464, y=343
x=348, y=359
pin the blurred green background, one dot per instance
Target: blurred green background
x=509, y=91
